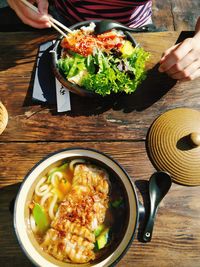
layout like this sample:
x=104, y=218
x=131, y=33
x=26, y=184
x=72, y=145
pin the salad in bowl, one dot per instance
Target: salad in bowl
x=90, y=64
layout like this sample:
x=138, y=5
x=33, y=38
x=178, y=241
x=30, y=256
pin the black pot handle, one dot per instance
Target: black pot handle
x=147, y=233
x=141, y=210
x=148, y=229
x=159, y=185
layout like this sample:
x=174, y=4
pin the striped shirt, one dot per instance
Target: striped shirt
x=132, y=13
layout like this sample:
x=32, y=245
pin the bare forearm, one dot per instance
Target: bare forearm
x=197, y=32
x=197, y=28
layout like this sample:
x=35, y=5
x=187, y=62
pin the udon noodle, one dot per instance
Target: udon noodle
x=70, y=209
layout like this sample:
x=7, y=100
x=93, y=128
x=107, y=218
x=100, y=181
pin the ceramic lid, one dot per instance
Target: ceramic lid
x=173, y=144
x=3, y=117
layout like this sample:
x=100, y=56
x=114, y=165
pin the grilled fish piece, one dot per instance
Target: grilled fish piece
x=92, y=177
x=73, y=228
x=71, y=236
x=67, y=247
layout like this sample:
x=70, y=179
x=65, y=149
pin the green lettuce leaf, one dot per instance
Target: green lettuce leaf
x=105, y=73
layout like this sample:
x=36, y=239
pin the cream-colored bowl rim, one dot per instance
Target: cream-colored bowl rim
x=3, y=117
x=20, y=204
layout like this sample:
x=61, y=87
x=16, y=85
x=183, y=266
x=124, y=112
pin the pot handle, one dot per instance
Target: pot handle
x=159, y=185
x=141, y=210
x=148, y=229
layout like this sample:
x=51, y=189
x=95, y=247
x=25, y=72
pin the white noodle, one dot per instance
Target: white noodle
x=33, y=224
x=42, y=189
x=41, y=181
x=42, y=193
x=51, y=207
x=52, y=170
x=75, y=161
x=44, y=198
x=55, y=176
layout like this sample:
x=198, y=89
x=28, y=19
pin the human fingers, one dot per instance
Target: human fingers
x=197, y=27
x=43, y=6
x=192, y=77
x=40, y=23
x=34, y=20
x=188, y=72
x=29, y=16
x=167, y=52
x=191, y=57
x=176, y=55
x=38, y=20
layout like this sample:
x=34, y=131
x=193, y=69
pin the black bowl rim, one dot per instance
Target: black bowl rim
x=84, y=149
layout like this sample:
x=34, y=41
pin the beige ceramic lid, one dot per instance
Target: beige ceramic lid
x=3, y=117
x=173, y=144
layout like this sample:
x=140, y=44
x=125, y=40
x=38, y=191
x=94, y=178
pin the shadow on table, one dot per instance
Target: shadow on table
x=150, y=91
x=10, y=254
x=46, y=82
x=11, y=54
x=183, y=35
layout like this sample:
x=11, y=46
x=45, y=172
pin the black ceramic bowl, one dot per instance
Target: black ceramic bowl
x=56, y=54
x=119, y=181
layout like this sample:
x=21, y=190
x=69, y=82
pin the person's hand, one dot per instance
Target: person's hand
x=182, y=61
x=37, y=20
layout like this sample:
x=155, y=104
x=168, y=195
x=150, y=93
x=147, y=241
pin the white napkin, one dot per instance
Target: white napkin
x=62, y=93
x=62, y=97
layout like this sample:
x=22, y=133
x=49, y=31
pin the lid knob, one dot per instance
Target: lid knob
x=195, y=138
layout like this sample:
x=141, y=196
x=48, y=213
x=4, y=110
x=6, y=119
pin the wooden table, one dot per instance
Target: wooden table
x=116, y=126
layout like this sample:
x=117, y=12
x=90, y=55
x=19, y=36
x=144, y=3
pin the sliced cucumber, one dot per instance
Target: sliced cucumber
x=99, y=229
x=40, y=218
x=102, y=239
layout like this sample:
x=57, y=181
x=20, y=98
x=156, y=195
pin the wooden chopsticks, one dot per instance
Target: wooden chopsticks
x=52, y=21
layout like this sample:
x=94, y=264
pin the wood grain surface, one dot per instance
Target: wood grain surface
x=116, y=126
x=178, y=15
x=123, y=116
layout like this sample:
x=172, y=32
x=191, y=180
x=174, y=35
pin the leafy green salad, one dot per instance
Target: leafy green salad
x=114, y=67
